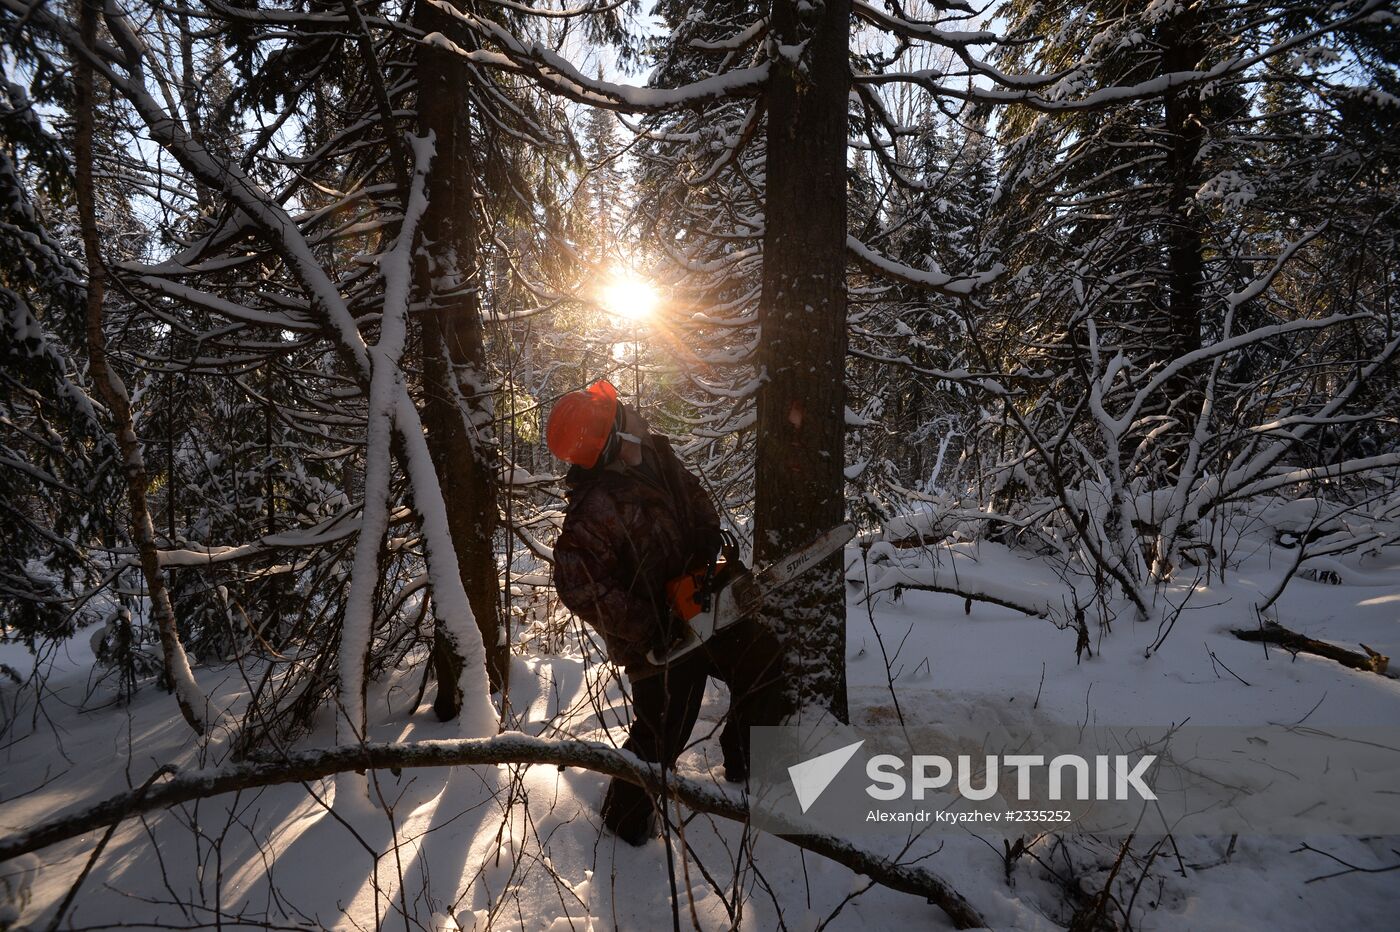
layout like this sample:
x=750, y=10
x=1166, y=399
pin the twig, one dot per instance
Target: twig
x=1091, y=917
x=1214, y=660
x=1350, y=868
x=884, y=654
x=137, y=797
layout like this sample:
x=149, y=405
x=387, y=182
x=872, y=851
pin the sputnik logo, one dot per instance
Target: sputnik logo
x=811, y=777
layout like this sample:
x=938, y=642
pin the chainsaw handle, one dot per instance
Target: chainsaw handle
x=729, y=548
x=691, y=593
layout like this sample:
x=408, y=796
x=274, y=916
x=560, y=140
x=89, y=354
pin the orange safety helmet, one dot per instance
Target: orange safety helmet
x=581, y=424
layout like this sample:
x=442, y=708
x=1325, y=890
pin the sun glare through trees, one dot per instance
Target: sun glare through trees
x=628, y=296
x=425, y=427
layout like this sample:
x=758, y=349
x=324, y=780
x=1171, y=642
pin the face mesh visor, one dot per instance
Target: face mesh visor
x=615, y=438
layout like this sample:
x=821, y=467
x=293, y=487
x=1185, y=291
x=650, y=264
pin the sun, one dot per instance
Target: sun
x=629, y=297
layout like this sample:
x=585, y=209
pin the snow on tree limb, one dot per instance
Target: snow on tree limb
x=386, y=382
x=999, y=87
x=512, y=748
x=556, y=74
x=934, y=279
x=478, y=716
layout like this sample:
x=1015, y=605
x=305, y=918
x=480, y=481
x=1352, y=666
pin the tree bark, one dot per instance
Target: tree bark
x=799, y=483
x=1184, y=241
x=113, y=391
x=1295, y=643
x=301, y=766
x=457, y=395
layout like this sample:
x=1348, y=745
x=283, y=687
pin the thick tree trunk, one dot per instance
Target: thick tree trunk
x=457, y=397
x=1184, y=241
x=113, y=392
x=799, y=487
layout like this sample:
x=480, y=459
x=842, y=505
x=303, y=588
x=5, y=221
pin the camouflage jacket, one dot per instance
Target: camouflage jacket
x=628, y=531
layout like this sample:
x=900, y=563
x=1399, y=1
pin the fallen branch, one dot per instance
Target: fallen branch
x=1371, y=661
x=1350, y=867
x=956, y=571
x=301, y=766
x=1034, y=611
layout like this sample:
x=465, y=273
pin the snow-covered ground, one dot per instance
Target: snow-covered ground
x=521, y=848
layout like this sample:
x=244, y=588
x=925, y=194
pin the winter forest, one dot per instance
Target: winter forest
x=1085, y=314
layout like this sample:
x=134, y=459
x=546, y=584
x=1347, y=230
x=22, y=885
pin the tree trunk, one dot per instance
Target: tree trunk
x=113, y=391
x=799, y=486
x=271, y=624
x=1185, y=251
x=457, y=395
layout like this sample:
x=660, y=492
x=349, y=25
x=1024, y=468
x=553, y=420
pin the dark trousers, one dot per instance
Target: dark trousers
x=666, y=705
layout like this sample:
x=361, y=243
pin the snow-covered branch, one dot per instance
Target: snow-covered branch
x=303, y=766
x=556, y=74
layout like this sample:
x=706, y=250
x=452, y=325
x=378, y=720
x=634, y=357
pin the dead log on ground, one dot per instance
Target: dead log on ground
x=1295, y=643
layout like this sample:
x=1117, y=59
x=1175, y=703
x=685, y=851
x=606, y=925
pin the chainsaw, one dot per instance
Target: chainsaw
x=712, y=598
